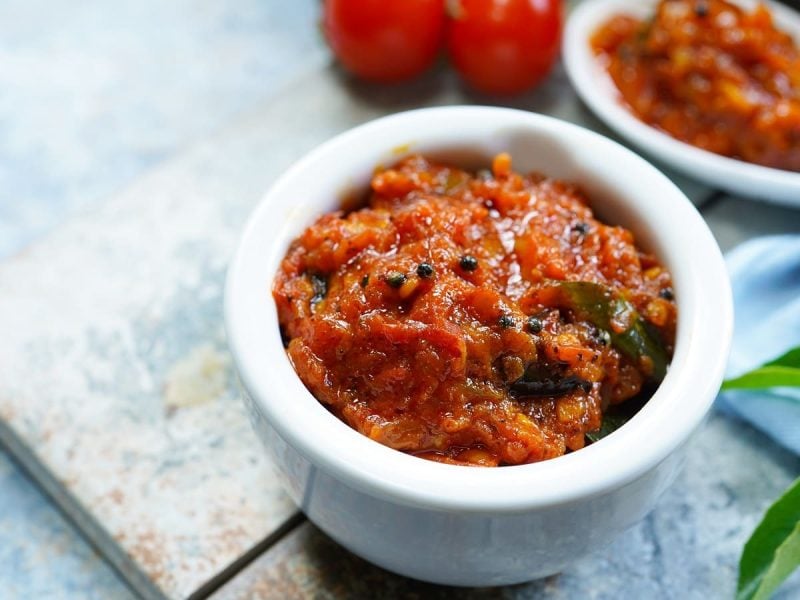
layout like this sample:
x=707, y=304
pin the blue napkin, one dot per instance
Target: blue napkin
x=765, y=274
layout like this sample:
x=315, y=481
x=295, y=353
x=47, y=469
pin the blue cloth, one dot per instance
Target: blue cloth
x=765, y=274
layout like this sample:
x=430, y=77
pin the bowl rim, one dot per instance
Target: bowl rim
x=599, y=93
x=703, y=343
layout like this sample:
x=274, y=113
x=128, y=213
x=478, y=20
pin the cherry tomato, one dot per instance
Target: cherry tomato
x=504, y=46
x=384, y=40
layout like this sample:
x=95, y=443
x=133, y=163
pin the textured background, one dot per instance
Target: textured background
x=134, y=139
x=92, y=95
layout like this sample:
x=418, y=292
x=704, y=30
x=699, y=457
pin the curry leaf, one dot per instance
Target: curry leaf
x=790, y=359
x=764, y=377
x=773, y=551
x=600, y=306
x=610, y=424
x=783, y=371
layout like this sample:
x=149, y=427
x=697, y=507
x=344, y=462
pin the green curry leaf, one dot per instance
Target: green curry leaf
x=783, y=371
x=600, y=306
x=610, y=424
x=763, y=378
x=773, y=551
x=790, y=359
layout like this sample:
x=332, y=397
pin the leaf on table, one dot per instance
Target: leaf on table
x=790, y=359
x=773, y=551
x=763, y=378
x=783, y=371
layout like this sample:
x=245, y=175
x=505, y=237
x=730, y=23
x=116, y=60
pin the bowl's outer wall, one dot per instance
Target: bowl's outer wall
x=479, y=526
x=465, y=549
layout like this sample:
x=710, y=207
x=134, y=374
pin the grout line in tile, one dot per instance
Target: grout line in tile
x=237, y=566
x=94, y=534
x=100, y=541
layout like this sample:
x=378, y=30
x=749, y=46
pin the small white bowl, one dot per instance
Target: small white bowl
x=598, y=91
x=460, y=525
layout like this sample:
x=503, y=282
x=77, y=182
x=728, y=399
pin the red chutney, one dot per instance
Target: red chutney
x=711, y=74
x=416, y=318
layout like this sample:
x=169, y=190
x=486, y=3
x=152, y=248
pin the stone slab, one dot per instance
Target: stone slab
x=41, y=555
x=94, y=94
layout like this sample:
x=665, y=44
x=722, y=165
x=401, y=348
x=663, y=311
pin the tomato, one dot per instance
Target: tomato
x=504, y=46
x=384, y=40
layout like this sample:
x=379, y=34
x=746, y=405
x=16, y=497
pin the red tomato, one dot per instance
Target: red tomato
x=384, y=40
x=504, y=46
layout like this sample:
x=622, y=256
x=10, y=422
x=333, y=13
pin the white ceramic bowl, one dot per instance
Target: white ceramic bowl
x=600, y=94
x=461, y=525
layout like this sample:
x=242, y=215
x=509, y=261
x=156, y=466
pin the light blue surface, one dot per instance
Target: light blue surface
x=92, y=95
x=41, y=556
x=765, y=274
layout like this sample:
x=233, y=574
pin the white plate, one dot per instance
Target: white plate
x=599, y=92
